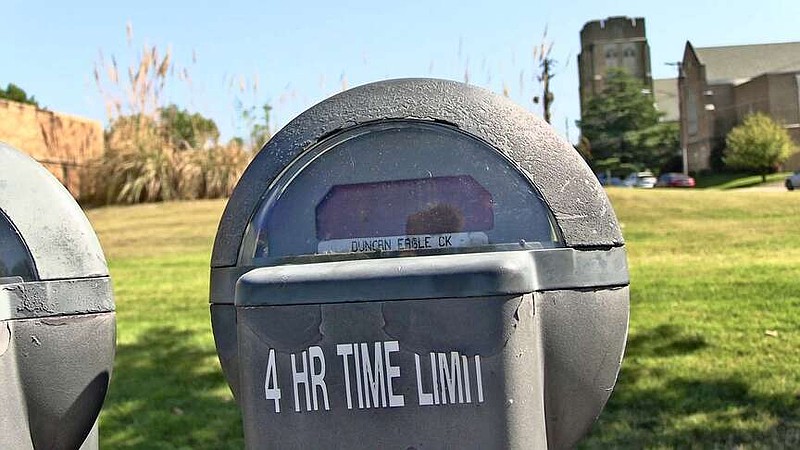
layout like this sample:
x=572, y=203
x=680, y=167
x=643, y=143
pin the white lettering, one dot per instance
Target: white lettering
x=425, y=398
x=465, y=364
x=455, y=368
x=272, y=393
x=358, y=376
x=301, y=378
x=318, y=377
x=447, y=379
x=479, y=377
x=434, y=380
x=345, y=350
x=395, y=400
x=374, y=383
x=376, y=377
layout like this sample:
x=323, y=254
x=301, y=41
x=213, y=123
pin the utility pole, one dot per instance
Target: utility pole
x=545, y=62
x=682, y=115
x=548, y=96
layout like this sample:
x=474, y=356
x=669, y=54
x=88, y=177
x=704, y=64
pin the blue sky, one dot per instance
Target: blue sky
x=303, y=51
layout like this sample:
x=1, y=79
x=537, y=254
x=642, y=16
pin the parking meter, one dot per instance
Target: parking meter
x=419, y=264
x=57, y=328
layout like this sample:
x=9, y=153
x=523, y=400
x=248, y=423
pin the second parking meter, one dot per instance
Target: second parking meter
x=57, y=329
x=419, y=264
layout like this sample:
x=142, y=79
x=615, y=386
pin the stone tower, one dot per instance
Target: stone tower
x=613, y=42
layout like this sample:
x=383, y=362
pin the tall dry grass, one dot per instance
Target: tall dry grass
x=143, y=162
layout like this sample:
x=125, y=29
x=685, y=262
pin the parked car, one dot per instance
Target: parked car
x=640, y=180
x=793, y=181
x=674, y=179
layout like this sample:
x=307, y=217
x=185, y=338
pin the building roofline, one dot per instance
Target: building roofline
x=721, y=47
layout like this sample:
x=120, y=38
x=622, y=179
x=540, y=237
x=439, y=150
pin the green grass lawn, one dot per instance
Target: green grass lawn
x=713, y=356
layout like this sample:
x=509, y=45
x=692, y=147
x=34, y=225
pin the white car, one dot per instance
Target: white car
x=793, y=181
x=640, y=180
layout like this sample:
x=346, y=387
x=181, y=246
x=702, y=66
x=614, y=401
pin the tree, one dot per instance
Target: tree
x=654, y=146
x=256, y=120
x=187, y=130
x=16, y=94
x=759, y=144
x=623, y=124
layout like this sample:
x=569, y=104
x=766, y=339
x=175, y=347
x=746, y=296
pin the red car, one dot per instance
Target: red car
x=674, y=179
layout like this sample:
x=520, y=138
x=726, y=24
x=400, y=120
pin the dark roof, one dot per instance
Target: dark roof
x=665, y=93
x=737, y=64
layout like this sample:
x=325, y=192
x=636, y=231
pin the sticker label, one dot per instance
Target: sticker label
x=400, y=243
x=371, y=372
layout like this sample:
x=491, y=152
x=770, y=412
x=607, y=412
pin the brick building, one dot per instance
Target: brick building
x=616, y=42
x=721, y=85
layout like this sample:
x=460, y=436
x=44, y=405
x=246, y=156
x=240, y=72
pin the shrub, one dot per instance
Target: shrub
x=759, y=144
x=142, y=164
x=155, y=152
x=17, y=94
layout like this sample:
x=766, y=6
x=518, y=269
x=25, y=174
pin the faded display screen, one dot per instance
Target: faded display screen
x=388, y=188
x=425, y=213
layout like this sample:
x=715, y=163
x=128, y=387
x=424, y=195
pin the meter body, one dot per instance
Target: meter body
x=57, y=322
x=419, y=263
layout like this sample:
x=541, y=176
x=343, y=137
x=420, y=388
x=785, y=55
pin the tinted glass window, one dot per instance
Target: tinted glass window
x=397, y=187
x=15, y=261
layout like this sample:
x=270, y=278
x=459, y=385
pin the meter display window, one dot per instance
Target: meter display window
x=16, y=263
x=398, y=215
x=396, y=187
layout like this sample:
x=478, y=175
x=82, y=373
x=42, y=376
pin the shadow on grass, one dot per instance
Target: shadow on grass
x=165, y=394
x=726, y=180
x=653, y=407
x=664, y=341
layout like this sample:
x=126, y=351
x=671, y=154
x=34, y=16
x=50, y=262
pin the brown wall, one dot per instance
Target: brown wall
x=775, y=95
x=793, y=163
x=62, y=143
x=784, y=98
x=752, y=97
x=724, y=115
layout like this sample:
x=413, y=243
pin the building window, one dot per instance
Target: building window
x=611, y=54
x=629, y=60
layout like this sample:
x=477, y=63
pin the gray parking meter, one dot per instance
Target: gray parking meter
x=419, y=264
x=56, y=313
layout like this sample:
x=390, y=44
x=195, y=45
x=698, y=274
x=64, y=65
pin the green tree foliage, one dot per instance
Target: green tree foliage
x=16, y=94
x=622, y=125
x=759, y=144
x=256, y=121
x=187, y=130
x=654, y=146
